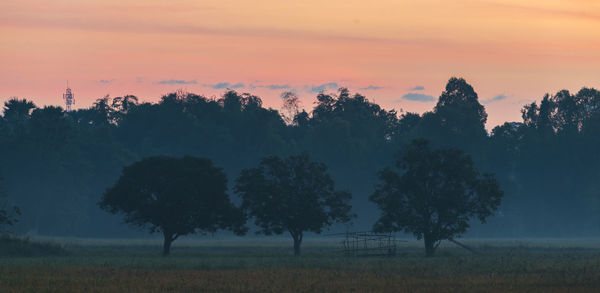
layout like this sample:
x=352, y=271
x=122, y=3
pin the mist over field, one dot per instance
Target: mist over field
x=57, y=165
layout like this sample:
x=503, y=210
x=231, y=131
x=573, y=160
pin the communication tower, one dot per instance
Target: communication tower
x=68, y=97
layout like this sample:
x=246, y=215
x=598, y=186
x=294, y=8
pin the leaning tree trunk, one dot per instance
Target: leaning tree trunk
x=297, y=241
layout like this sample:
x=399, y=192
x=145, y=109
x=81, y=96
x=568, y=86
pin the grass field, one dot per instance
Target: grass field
x=268, y=266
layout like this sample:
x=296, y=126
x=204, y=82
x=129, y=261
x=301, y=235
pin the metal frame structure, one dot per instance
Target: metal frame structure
x=69, y=98
x=369, y=244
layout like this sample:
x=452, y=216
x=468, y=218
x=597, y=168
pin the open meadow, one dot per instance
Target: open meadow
x=269, y=266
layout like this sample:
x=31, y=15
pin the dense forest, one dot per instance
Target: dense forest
x=56, y=164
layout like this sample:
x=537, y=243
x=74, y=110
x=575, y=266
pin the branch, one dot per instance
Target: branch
x=463, y=246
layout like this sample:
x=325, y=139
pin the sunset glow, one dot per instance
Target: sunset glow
x=512, y=53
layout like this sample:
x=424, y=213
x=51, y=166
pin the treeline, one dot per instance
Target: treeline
x=57, y=164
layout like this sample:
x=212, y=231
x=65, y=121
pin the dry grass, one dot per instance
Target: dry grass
x=103, y=279
x=498, y=268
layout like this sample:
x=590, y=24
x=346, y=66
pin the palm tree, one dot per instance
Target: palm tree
x=16, y=113
x=17, y=109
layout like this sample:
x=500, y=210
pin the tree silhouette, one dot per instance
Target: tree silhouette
x=8, y=215
x=175, y=197
x=18, y=109
x=294, y=195
x=457, y=121
x=103, y=111
x=17, y=113
x=435, y=195
x=57, y=164
x=290, y=108
x=459, y=106
x=125, y=103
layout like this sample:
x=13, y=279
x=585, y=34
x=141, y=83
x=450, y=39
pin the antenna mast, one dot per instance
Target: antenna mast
x=69, y=98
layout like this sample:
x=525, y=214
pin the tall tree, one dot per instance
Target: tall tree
x=435, y=194
x=174, y=196
x=459, y=108
x=125, y=103
x=458, y=119
x=290, y=108
x=122, y=105
x=293, y=195
x=103, y=111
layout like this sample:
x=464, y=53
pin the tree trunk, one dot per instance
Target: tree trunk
x=297, y=241
x=167, y=243
x=429, y=245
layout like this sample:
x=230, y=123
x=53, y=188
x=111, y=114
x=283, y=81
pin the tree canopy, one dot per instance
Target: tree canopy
x=292, y=194
x=435, y=194
x=174, y=196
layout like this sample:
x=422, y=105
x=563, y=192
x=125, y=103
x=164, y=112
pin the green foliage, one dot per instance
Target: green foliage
x=292, y=194
x=435, y=195
x=175, y=197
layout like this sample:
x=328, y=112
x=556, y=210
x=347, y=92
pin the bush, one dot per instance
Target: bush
x=15, y=246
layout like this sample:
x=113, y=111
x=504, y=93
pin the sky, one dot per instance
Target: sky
x=399, y=54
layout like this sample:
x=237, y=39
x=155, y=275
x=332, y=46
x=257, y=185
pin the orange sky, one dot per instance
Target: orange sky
x=383, y=49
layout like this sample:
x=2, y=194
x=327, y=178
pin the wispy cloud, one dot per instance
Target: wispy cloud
x=277, y=86
x=106, y=81
x=270, y=86
x=522, y=101
x=98, y=23
x=324, y=87
x=418, y=97
x=371, y=88
x=417, y=88
x=176, y=81
x=225, y=85
x=495, y=99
